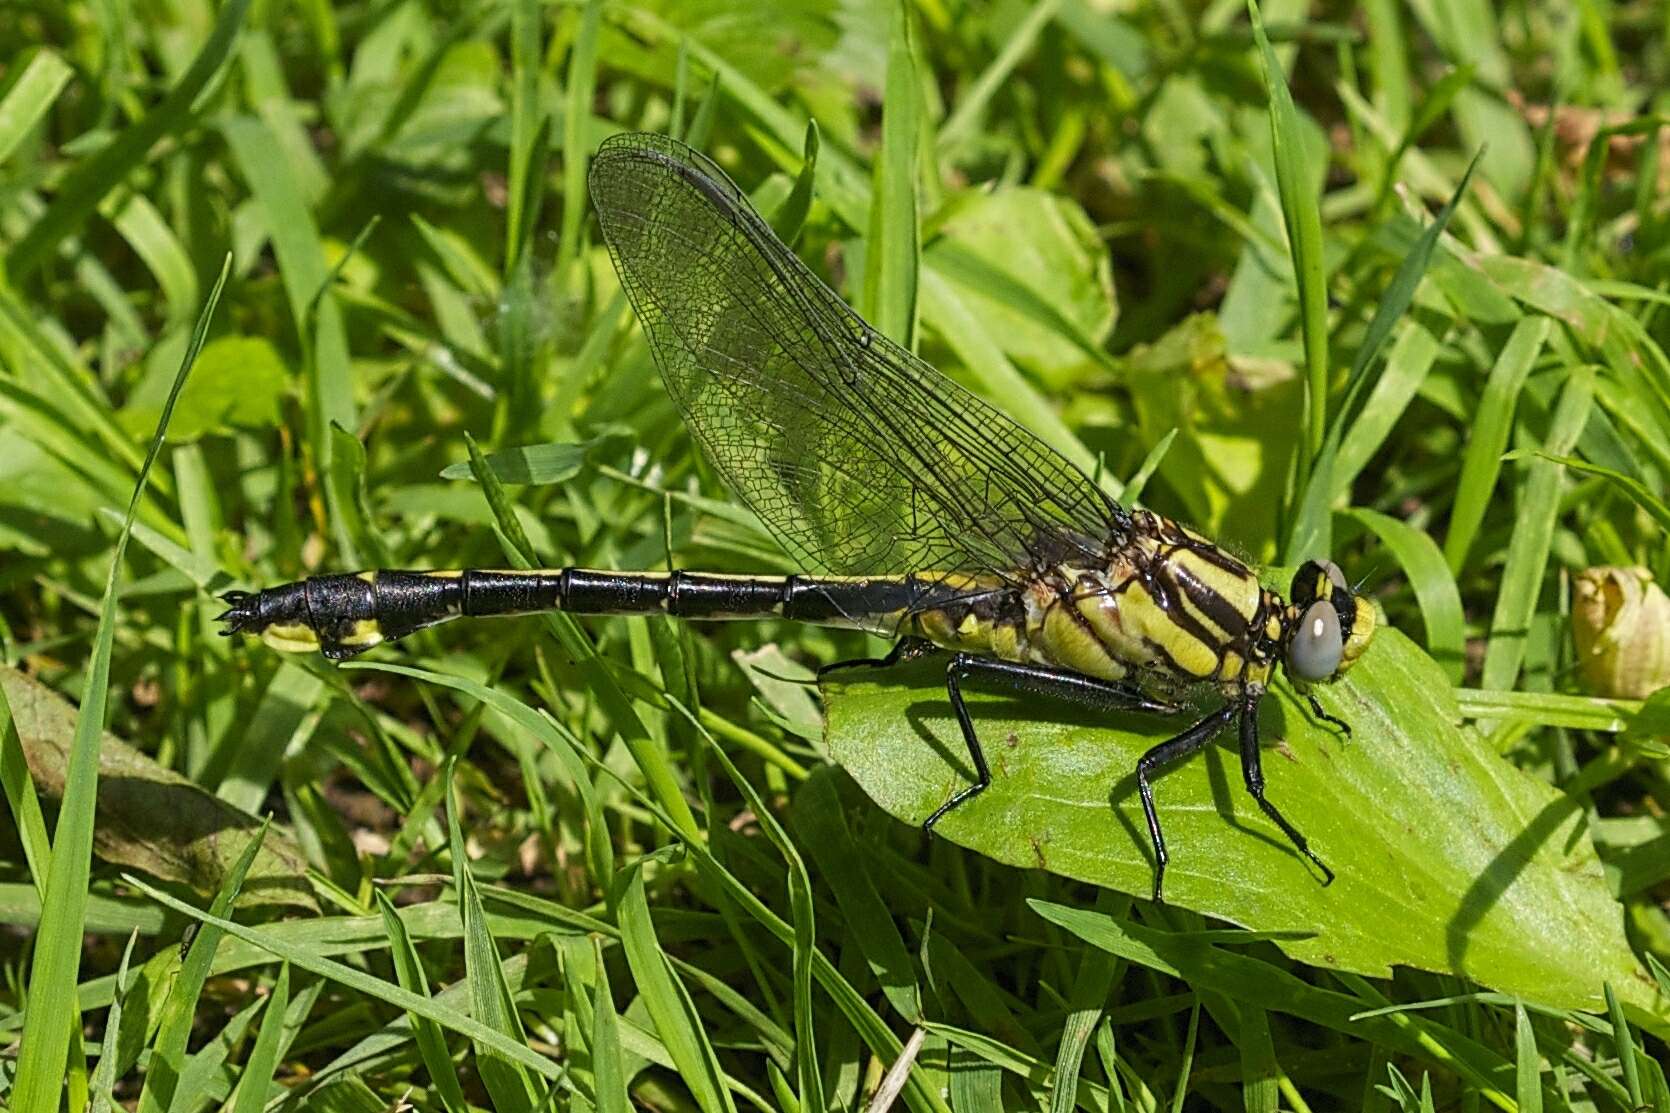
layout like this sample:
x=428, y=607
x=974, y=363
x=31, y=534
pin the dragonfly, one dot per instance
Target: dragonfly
x=920, y=512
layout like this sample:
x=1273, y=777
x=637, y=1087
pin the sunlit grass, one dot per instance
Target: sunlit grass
x=613, y=857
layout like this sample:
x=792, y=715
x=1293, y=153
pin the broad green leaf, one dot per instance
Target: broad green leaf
x=239, y=382
x=1448, y=858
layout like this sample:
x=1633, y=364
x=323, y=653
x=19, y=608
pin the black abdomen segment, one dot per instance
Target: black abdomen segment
x=342, y=615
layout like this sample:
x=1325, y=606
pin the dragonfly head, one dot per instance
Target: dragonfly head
x=1328, y=625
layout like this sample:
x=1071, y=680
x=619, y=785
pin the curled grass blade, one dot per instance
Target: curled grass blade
x=1435, y=589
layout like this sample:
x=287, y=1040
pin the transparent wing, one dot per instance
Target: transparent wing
x=860, y=458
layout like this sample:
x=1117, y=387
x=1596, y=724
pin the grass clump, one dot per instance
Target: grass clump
x=1386, y=285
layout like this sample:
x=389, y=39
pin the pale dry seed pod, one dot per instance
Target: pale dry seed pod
x=1620, y=620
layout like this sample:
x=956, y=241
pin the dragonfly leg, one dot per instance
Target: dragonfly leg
x=1252, y=771
x=1030, y=680
x=1171, y=750
x=962, y=665
x=1316, y=709
x=905, y=649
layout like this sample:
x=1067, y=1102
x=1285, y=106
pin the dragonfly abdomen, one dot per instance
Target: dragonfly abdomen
x=342, y=615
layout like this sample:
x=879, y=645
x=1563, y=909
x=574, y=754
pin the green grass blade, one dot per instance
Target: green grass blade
x=669, y=1004
x=607, y=1063
x=576, y=131
x=1407, y=366
x=1435, y=588
x=1533, y=536
x=1624, y=1040
x=790, y=216
x=528, y=124
x=960, y=125
x=314, y=310
x=809, y=1089
x=1527, y=1068
x=263, y=1056
x=408, y=969
x=305, y=955
x=47, y=1027
x=490, y=1002
x=93, y=178
x=1635, y=490
x=1481, y=462
x=32, y=92
x=1090, y=992
x=1182, y=1089
x=1302, y=214
x=165, y=1076
x=101, y=1088
x=893, y=245
x=22, y=799
x=821, y=824
x=1310, y=533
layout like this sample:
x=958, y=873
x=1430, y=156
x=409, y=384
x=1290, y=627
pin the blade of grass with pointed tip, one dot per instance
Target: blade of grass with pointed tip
x=1530, y=545
x=790, y=216
x=52, y=980
x=668, y=1003
x=258, y=1069
x=1311, y=530
x=893, y=256
x=1527, y=1070
x=408, y=969
x=1302, y=215
x=22, y=798
x=607, y=1063
x=577, y=104
x=1624, y=1040
x=168, y=1053
x=1435, y=588
x=304, y=954
x=506, y=1080
x=1488, y=433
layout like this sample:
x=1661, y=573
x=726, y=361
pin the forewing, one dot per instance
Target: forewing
x=860, y=458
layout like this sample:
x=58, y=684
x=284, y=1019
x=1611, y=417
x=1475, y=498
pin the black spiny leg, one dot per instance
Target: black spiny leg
x=1175, y=749
x=1252, y=770
x=905, y=649
x=1030, y=680
x=1316, y=709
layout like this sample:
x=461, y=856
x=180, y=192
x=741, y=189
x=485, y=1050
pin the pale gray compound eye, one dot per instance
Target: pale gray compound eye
x=1317, y=646
x=1334, y=574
